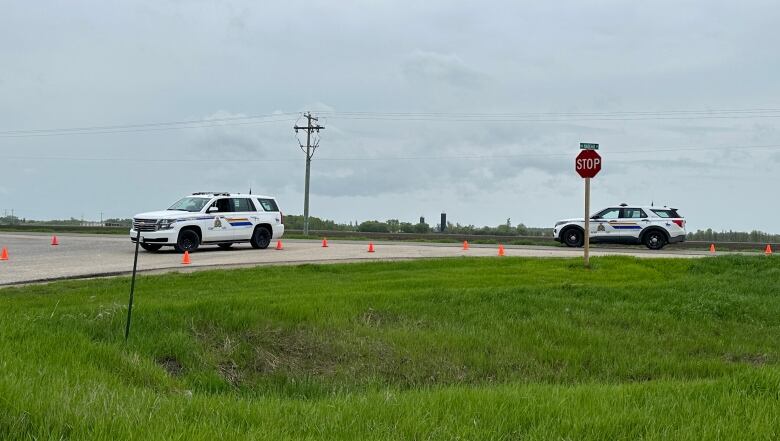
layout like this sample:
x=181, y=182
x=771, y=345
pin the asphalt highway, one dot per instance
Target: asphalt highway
x=32, y=258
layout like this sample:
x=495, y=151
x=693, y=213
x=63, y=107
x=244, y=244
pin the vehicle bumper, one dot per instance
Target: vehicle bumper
x=677, y=239
x=165, y=237
x=278, y=231
x=556, y=236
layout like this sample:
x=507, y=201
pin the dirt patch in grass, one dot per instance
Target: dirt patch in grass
x=293, y=351
x=274, y=352
x=230, y=372
x=171, y=365
x=754, y=359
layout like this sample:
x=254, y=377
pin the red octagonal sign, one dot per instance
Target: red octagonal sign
x=588, y=163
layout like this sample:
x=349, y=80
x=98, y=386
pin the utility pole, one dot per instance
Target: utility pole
x=309, y=150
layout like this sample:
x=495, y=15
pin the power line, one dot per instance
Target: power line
x=638, y=150
x=150, y=124
x=205, y=124
x=517, y=117
x=658, y=112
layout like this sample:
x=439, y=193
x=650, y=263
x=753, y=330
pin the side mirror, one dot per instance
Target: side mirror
x=212, y=209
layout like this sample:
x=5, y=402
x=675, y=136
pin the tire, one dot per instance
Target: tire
x=225, y=246
x=151, y=246
x=654, y=239
x=573, y=237
x=188, y=241
x=261, y=238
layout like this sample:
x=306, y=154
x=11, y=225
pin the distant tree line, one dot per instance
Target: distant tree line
x=295, y=222
x=113, y=222
x=733, y=236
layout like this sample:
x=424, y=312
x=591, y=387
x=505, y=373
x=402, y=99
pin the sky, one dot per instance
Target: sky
x=475, y=109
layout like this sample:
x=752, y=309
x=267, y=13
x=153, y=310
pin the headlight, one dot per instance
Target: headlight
x=166, y=224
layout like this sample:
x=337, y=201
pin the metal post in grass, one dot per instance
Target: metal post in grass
x=132, y=285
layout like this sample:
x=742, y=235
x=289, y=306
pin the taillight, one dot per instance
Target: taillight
x=281, y=217
x=680, y=222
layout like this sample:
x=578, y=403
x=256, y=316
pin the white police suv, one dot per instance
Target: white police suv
x=652, y=226
x=210, y=218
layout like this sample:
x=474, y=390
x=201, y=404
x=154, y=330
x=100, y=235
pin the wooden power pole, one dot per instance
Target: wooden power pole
x=309, y=151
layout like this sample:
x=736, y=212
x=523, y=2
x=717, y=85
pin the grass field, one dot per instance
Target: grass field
x=482, y=349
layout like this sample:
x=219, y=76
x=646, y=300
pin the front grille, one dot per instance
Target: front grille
x=145, y=224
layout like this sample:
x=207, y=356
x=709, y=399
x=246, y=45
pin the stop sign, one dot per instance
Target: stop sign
x=588, y=163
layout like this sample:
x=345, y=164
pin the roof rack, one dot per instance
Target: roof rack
x=624, y=204
x=215, y=193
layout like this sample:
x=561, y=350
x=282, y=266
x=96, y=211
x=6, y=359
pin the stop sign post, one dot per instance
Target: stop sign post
x=587, y=165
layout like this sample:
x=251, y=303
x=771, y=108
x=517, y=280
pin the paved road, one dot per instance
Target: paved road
x=32, y=258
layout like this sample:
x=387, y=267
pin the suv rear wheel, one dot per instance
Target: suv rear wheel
x=188, y=241
x=261, y=238
x=655, y=240
x=573, y=237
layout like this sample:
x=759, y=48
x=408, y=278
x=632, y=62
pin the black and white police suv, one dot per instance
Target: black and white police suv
x=211, y=218
x=652, y=226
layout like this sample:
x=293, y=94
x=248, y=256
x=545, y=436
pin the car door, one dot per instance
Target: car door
x=218, y=228
x=601, y=225
x=631, y=223
x=241, y=219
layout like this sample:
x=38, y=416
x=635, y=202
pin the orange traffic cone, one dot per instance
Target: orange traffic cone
x=501, y=250
x=186, y=259
x=465, y=245
x=325, y=242
x=279, y=245
x=712, y=248
x=768, y=250
x=4, y=254
x=371, y=247
x=54, y=241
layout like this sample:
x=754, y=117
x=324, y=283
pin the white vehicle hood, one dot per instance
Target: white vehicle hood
x=166, y=214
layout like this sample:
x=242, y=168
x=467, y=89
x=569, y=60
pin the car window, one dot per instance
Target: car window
x=241, y=204
x=634, y=213
x=189, y=204
x=223, y=205
x=609, y=213
x=666, y=213
x=268, y=204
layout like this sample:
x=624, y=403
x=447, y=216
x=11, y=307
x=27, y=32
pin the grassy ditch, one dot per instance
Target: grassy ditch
x=488, y=349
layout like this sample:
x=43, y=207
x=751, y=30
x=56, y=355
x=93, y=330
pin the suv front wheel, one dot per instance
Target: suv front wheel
x=188, y=241
x=151, y=246
x=573, y=237
x=655, y=240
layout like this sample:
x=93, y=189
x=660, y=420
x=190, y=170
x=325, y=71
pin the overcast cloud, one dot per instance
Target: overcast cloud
x=95, y=63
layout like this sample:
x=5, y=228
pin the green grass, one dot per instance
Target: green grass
x=483, y=349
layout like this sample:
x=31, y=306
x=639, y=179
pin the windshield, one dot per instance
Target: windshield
x=190, y=204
